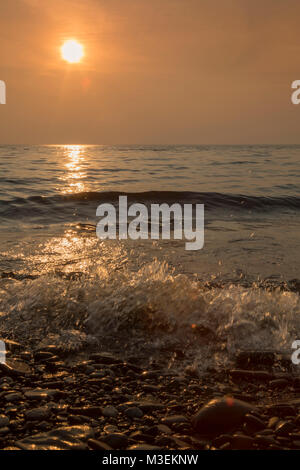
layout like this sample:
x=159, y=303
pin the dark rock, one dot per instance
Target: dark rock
x=14, y=397
x=116, y=440
x=90, y=411
x=12, y=346
x=266, y=432
x=297, y=420
x=37, y=414
x=221, y=440
x=140, y=436
x=284, y=428
x=110, y=412
x=159, y=429
x=283, y=441
x=272, y=422
x=74, y=420
x=134, y=412
x=105, y=358
x=226, y=446
x=42, y=356
x=15, y=368
x=53, y=365
x=279, y=383
x=151, y=388
x=175, y=419
x=110, y=428
x=148, y=374
x=53, y=349
x=65, y=438
x=130, y=366
x=146, y=406
x=220, y=415
x=98, y=445
x=146, y=447
x=4, y=431
x=84, y=366
x=169, y=441
x=95, y=382
x=264, y=441
x=254, y=424
x=4, y=421
x=282, y=409
x=43, y=394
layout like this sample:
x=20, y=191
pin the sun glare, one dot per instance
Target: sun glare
x=72, y=51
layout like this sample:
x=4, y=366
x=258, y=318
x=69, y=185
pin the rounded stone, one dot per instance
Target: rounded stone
x=174, y=419
x=145, y=447
x=134, y=412
x=116, y=440
x=13, y=367
x=110, y=412
x=37, y=414
x=4, y=421
x=64, y=438
x=254, y=424
x=220, y=415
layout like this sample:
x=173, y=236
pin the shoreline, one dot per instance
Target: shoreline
x=50, y=400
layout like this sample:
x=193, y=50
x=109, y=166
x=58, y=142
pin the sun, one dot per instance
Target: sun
x=72, y=51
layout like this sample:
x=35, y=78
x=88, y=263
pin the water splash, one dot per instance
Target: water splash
x=81, y=290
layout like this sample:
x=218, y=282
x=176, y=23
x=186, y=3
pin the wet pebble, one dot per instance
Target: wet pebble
x=116, y=440
x=43, y=394
x=14, y=397
x=64, y=438
x=4, y=421
x=145, y=447
x=98, y=445
x=284, y=428
x=37, y=414
x=90, y=411
x=133, y=412
x=110, y=412
x=105, y=358
x=15, y=368
x=252, y=424
x=4, y=430
x=279, y=383
x=175, y=419
x=220, y=415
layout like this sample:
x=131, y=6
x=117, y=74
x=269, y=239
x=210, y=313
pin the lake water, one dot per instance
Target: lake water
x=60, y=283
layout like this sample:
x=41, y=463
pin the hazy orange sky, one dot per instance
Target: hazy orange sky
x=155, y=71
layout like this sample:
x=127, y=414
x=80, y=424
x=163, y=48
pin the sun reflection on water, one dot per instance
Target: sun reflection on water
x=74, y=166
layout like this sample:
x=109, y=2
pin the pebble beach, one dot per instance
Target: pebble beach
x=49, y=400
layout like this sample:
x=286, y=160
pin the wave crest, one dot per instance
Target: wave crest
x=146, y=308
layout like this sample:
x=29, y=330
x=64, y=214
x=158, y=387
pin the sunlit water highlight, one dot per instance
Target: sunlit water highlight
x=60, y=284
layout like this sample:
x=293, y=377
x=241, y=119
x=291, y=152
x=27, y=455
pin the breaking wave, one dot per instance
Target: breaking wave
x=143, y=307
x=62, y=206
